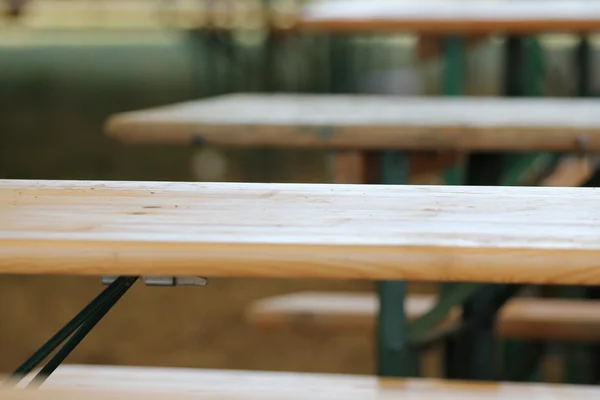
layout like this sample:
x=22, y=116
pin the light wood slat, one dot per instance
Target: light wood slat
x=368, y=122
x=99, y=382
x=435, y=233
x=452, y=16
x=520, y=318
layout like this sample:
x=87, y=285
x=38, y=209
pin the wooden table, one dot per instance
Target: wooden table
x=450, y=20
x=447, y=27
x=360, y=122
x=353, y=125
x=350, y=125
x=452, y=16
x=484, y=234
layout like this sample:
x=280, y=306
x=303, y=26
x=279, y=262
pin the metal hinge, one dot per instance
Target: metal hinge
x=164, y=280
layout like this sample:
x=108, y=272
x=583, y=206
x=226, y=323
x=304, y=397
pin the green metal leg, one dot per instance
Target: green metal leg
x=522, y=360
x=583, y=67
x=531, y=58
x=578, y=357
x=339, y=52
x=513, y=61
x=395, y=356
x=454, y=66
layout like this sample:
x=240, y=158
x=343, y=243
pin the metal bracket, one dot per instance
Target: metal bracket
x=164, y=280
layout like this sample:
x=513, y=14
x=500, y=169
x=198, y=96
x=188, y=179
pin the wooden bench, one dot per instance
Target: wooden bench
x=532, y=235
x=537, y=235
x=80, y=382
x=523, y=17
x=545, y=319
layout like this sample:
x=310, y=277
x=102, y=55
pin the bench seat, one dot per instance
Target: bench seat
x=108, y=382
x=521, y=318
x=451, y=16
x=536, y=235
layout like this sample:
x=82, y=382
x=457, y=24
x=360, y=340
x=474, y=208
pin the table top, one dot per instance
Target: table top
x=420, y=233
x=81, y=382
x=367, y=122
x=452, y=16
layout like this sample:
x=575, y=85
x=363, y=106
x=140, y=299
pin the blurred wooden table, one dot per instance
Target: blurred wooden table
x=452, y=16
x=359, y=122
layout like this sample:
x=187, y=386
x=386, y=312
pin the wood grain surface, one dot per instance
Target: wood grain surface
x=421, y=233
x=521, y=318
x=452, y=16
x=367, y=122
x=100, y=382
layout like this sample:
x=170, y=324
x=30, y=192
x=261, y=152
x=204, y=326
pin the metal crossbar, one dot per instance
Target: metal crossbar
x=78, y=327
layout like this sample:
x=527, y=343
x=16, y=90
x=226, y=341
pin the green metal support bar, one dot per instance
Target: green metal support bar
x=583, y=63
x=454, y=66
x=532, y=67
x=395, y=356
x=522, y=361
x=339, y=53
x=461, y=293
x=513, y=61
x=577, y=356
x=453, y=296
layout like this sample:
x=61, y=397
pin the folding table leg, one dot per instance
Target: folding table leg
x=86, y=320
x=79, y=327
x=583, y=64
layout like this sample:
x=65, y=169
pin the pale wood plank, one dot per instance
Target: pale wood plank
x=452, y=16
x=520, y=318
x=368, y=122
x=99, y=382
x=418, y=233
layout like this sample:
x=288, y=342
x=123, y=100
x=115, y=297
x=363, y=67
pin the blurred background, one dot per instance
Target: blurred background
x=66, y=65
